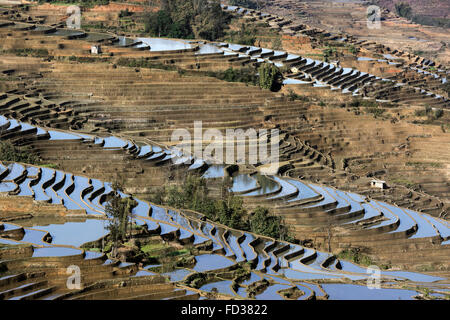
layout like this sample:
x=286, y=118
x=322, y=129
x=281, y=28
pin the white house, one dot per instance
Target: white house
x=375, y=183
x=96, y=49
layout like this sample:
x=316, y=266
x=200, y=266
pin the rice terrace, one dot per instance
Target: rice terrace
x=224, y=150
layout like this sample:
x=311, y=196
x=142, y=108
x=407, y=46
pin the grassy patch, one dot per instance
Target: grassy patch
x=178, y=252
x=354, y=255
x=292, y=96
x=404, y=182
x=152, y=247
x=88, y=59
x=10, y=152
x=377, y=112
x=424, y=164
x=28, y=52
x=425, y=268
x=49, y=165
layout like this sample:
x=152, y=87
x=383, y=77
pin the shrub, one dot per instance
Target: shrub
x=277, y=44
x=329, y=52
x=446, y=87
x=438, y=113
x=376, y=111
x=292, y=96
x=40, y=53
x=404, y=10
x=355, y=104
x=125, y=13
x=419, y=113
x=355, y=256
x=353, y=49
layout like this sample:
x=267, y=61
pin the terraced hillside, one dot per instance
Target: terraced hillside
x=95, y=119
x=335, y=219
x=350, y=19
x=275, y=266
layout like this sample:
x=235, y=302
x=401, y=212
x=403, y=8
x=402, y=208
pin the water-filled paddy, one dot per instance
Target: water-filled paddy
x=243, y=182
x=233, y=242
x=76, y=233
x=267, y=185
x=223, y=287
x=214, y=171
x=144, y=273
x=271, y=292
x=15, y=171
x=356, y=292
x=7, y=186
x=177, y=275
x=55, y=252
x=159, y=44
x=207, y=262
x=58, y=135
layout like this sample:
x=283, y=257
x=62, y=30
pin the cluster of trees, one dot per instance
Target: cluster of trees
x=9, y=152
x=30, y=52
x=188, y=19
x=428, y=111
x=246, y=35
x=246, y=75
x=120, y=215
x=229, y=210
x=329, y=52
x=125, y=13
x=404, y=10
x=250, y=4
x=269, y=76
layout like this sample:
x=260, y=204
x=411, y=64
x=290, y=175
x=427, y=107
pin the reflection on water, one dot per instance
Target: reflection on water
x=243, y=182
x=355, y=292
x=76, y=233
x=223, y=287
x=207, y=262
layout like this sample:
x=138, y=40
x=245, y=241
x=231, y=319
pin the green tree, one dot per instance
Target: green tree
x=261, y=222
x=119, y=212
x=231, y=212
x=269, y=76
